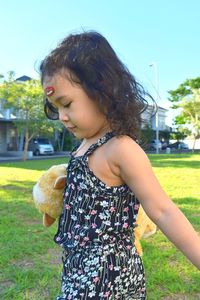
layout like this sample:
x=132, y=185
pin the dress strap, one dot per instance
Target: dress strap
x=102, y=140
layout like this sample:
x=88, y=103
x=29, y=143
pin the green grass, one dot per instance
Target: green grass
x=30, y=262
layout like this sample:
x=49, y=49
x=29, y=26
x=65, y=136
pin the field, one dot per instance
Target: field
x=30, y=262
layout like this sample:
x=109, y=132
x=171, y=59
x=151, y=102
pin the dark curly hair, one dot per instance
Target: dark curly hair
x=91, y=62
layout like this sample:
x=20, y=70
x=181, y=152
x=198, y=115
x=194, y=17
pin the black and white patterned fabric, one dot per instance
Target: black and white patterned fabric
x=96, y=232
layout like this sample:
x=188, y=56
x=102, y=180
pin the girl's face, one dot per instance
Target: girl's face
x=77, y=111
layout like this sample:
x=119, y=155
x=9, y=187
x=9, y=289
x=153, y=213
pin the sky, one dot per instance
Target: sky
x=160, y=33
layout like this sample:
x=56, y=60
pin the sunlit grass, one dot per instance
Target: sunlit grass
x=30, y=263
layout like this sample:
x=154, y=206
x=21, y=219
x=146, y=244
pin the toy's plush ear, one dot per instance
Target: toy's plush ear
x=60, y=182
x=47, y=220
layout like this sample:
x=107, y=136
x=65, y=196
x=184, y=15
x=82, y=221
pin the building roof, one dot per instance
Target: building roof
x=23, y=78
x=159, y=107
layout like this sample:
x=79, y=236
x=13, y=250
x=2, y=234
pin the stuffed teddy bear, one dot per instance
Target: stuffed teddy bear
x=144, y=228
x=48, y=194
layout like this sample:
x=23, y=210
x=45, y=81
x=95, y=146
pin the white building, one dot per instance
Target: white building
x=149, y=118
x=7, y=130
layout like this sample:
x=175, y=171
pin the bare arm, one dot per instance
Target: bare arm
x=135, y=169
x=180, y=232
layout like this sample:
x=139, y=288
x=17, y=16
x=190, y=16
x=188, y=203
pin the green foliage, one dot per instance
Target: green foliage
x=187, y=98
x=191, y=111
x=26, y=99
x=180, y=134
x=164, y=135
x=147, y=135
x=184, y=89
x=69, y=142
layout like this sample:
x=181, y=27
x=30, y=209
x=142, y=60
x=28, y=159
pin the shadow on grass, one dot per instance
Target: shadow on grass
x=191, y=204
x=18, y=209
x=175, y=160
x=18, y=186
x=157, y=160
x=195, y=164
x=188, y=201
x=39, y=165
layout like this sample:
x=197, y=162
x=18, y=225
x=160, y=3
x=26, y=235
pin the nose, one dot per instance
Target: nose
x=63, y=117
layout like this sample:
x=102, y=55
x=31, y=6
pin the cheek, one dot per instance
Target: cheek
x=89, y=115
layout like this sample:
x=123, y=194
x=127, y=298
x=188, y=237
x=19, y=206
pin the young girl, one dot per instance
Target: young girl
x=96, y=98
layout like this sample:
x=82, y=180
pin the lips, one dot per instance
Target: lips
x=71, y=128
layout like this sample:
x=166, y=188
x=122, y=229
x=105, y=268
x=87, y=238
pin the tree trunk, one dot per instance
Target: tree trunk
x=24, y=154
x=57, y=141
x=63, y=138
x=21, y=140
x=193, y=147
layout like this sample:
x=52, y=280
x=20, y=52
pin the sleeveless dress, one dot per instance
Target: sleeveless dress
x=95, y=230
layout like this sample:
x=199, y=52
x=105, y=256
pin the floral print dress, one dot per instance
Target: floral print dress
x=95, y=230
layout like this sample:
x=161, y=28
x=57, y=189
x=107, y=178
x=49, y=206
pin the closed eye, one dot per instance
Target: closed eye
x=67, y=105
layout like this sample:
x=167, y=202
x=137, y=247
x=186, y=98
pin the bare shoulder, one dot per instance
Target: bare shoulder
x=132, y=163
x=122, y=152
x=136, y=171
x=123, y=148
x=123, y=141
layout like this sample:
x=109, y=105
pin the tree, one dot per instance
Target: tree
x=180, y=133
x=187, y=99
x=26, y=98
x=184, y=90
x=147, y=134
x=191, y=113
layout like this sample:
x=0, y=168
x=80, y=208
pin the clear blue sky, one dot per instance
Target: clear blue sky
x=141, y=32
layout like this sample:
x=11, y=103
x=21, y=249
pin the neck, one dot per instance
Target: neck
x=98, y=134
x=87, y=142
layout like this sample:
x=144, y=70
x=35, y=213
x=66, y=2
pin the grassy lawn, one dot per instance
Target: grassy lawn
x=30, y=262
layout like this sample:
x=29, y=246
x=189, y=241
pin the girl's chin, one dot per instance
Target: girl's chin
x=75, y=132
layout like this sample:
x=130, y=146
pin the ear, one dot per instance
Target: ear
x=47, y=220
x=60, y=182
